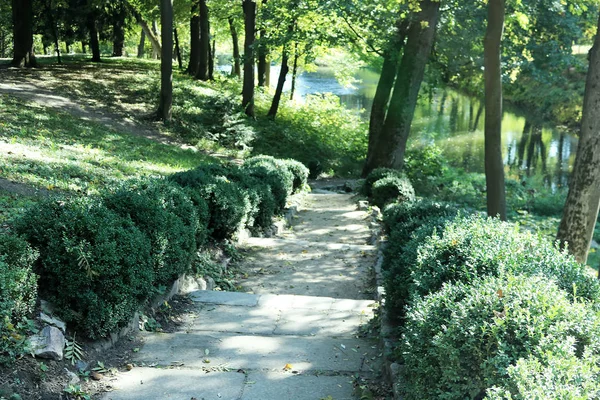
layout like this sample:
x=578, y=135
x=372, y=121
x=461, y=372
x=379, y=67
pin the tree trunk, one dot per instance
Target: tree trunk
x=280, y=82
x=204, y=48
x=94, y=43
x=54, y=29
x=237, y=71
x=177, y=48
x=249, y=7
x=119, y=31
x=268, y=72
x=211, y=61
x=194, y=40
x=166, y=62
x=22, y=15
x=478, y=116
x=494, y=166
x=390, y=144
x=142, y=45
x=581, y=209
x=383, y=91
x=83, y=47
x=294, y=70
x=156, y=50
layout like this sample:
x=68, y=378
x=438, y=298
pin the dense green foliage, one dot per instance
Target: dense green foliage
x=392, y=188
x=166, y=215
x=461, y=340
x=274, y=173
x=95, y=265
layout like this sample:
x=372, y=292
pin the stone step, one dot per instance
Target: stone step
x=185, y=384
x=217, y=350
x=291, y=245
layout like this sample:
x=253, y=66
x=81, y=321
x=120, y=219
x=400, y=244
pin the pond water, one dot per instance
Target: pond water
x=455, y=122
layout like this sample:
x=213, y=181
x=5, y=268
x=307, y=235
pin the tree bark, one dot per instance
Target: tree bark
x=54, y=29
x=261, y=67
x=94, y=43
x=211, y=60
x=22, y=15
x=237, y=70
x=204, y=48
x=194, y=39
x=280, y=82
x=268, y=72
x=581, y=208
x=294, y=70
x=156, y=49
x=390, y=144
x=166, y=62
x=494, y=166
x=249, y=7
x=119, y=31
x=177, y=48
x=383, y=91
x=142, y=45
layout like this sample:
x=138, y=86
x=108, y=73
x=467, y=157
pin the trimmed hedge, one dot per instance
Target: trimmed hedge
x=300, y=173
x=392, y=189
x=18, y=283
x=374, y=176
x=461, y=340
x=95, y=266
x=274, y=174
x=164, y=213
x=474, y=246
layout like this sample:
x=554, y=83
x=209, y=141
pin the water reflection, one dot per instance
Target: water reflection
x=530, y=148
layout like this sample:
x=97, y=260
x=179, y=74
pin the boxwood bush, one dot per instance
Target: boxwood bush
x=559, y=374
x=94, y=266
x=392, y=189
x=162, y=211
x=18, y=283
x=474, y=246
x=272, y=172
x=300, y=173
x=374, y=176
x=228, y=203
x=461, y=340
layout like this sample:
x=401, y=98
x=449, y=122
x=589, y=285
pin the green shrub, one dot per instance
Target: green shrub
x=559, y=374
x=228, y=203
x=164, y=213
x=399, y=258
x=392, y=189
x=300, y=173
x=460, y=341
x=474, y=246
x=95, y=266
x=272, y=172
x=374, y=176
x=18, y=283
x=423, y=165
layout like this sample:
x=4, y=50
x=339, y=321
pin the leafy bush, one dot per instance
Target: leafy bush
x=228, y=203
x=401, y=253
x=460, y=341
x=392, y=188
x=556, y=375
x=374, y=176
x=274, y=173
x=18, y=283
x=300, y=173
x=423, y=165
x=164, y=213
x=475, y=246
x=95, y=266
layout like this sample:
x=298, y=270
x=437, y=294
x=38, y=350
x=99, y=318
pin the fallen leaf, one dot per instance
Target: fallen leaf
x=206, y=361
x=96, y=376
x=129, y=367
x=287, y=367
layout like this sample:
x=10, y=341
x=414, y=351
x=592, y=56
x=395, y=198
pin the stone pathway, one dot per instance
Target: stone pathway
x=292, y=336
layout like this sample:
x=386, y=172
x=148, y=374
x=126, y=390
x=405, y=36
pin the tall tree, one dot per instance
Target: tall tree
x=22, y=14
x=581, y=208
x=261, y=66
x=236, y=71
x=119, y=15
x=390, y=145
x=93, y=31
x=166, y=62
x=204, y=45
x=249, y=7
x=282, y=75
x=194, y=39
x=494, y=166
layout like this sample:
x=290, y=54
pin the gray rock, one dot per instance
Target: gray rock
x=363, y=205
x=73, y=378
x=53, y=321
x=46, y=307
x=190, y=284
x=49, y=343
x=81, y=365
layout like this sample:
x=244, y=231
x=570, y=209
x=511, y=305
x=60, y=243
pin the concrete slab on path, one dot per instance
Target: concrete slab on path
x=177, y=384
x=288, y=386
x=257, y=352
